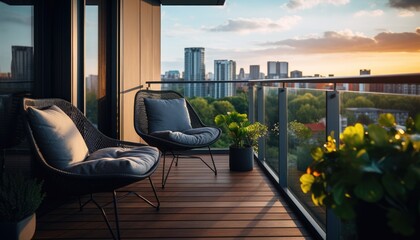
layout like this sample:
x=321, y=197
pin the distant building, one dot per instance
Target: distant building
x=194, y=71
x=22, y=66
x=224, y=70
x=92, y=84
x=254, y=72
x=364, y=87
x=276, y=70
x=373, y=114
x=298, y=74
x=241, y=75
x=171, y=76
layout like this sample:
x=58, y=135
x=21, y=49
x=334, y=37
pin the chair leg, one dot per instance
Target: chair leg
x=101, y=208
x=117, y=222
x=214, y=165
x=166, y=175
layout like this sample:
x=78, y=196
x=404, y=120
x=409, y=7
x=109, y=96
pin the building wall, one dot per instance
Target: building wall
x=139, y=56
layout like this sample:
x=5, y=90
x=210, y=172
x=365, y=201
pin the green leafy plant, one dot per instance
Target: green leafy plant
x=378, y=164
x=240, y=131
x=19, y=197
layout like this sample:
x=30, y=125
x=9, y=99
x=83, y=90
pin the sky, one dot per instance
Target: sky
x=324, y=37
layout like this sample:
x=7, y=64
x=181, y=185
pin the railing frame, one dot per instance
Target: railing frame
x=256, y=112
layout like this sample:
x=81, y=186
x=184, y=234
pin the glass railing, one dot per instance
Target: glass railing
x=317, y=108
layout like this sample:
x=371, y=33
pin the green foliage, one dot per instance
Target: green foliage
x=377, y=164
x=19, y=197
x=240, y=130
x=299, y=130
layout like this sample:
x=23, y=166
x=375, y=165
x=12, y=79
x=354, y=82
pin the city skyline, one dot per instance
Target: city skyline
x=314, y=36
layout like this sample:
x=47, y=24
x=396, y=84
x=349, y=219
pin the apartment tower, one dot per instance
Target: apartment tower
x=224, y=70
x=194, y=70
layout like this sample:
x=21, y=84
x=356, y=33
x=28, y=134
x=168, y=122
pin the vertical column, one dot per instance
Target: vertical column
x=333, y=125
x=282, y=104
x=261, y=118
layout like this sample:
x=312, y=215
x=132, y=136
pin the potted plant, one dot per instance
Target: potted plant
x=19, y=199
x=244, y=137
x=371, y=178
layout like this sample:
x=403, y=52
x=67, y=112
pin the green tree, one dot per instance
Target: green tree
x=359, y=102
x=222, y=107
x=203, y=109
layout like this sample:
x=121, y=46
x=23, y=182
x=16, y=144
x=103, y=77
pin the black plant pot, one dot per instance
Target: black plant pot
x=241, y=159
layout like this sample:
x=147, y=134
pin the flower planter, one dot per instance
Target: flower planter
x=241, y=159
x=22, y=230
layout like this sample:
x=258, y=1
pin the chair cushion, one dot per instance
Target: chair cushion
x=57, y=136
x=167, y=114
x=117, y=161
x=193, y=136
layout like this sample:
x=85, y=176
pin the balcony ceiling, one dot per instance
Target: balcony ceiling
x=192, y=2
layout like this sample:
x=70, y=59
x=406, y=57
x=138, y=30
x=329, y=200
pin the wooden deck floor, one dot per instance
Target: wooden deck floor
x=195, y=204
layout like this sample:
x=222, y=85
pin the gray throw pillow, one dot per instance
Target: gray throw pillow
x=167, y=114
x=57, y=137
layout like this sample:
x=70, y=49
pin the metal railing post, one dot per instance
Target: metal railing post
x=333, y=230
x=282, y=93
x=251, y=103
x=261, y=118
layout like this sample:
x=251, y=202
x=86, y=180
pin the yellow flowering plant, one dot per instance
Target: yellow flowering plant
x=376, y=164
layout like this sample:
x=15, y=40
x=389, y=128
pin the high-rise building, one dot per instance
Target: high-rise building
x=22, y=66
x=364, y=87
x=194, y=71
x=254, y=72
x=171, y=76
x=241, y=75
x=224, y=70
x=297, y=74
x=276, y=70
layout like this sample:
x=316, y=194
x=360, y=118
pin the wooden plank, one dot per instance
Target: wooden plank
x=195, y=204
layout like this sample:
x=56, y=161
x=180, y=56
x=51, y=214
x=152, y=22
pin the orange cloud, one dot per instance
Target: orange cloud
x=336, y=42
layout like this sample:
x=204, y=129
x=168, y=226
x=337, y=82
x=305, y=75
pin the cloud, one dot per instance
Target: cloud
x=405, y=13
x=373, y=13
x=347, y=41
x=305, y=4
x=405, y=4
x=247, y=25
x=8, y=17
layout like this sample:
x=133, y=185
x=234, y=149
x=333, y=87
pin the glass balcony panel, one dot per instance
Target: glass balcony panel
x=365, y=108
x=306, y=130
x=271, y=119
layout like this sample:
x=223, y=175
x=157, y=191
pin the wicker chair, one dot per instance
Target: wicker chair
x=176, y=149
x=80, y=184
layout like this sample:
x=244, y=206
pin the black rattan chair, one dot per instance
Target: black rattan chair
x=176, y=148
x=78, y=183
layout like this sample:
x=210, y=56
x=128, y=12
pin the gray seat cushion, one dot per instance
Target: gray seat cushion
x=193, y=136
x=117, y=161
x=167, y=114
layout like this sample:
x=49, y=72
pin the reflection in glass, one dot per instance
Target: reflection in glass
x=91, y=62
x=272, y=120
x=306, y=130
x=16, y=48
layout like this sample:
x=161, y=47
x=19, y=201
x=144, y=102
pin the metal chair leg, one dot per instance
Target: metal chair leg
x=214, y=165
x=166, y=175
x=117, y=222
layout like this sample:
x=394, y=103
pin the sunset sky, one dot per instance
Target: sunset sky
x=324, y=37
